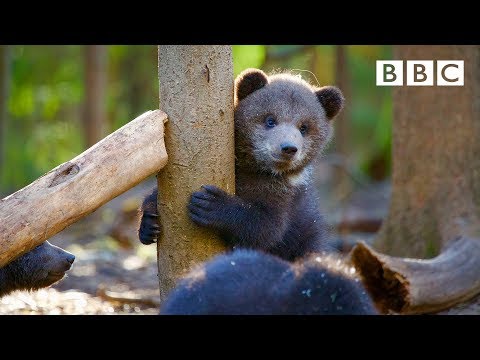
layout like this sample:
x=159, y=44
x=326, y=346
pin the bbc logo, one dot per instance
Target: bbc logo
x=420, y=73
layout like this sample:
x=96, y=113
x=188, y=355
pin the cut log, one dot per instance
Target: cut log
x=78, y=187
x=435, y=192
x=414, y=286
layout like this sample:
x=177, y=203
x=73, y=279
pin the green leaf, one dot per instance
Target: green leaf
x=246, y=56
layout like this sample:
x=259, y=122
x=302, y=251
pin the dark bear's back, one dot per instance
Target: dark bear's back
x=325, y=285
x=236, y=283
x=253, y=282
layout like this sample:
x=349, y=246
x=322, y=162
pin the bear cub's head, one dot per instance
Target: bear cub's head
x=281, y=121
x=38, y=268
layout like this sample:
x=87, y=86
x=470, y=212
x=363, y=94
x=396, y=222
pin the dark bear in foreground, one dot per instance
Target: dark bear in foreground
x=38, y=268
x=249, y=282
x=281, y=124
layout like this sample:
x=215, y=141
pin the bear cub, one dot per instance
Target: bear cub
x=250, y=282
x=282, y=123
x=38, y=268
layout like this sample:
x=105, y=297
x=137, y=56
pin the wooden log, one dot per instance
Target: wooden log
x=78, y=187
x=416, y=286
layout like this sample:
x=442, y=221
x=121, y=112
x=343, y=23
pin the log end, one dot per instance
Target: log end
x=388, y=288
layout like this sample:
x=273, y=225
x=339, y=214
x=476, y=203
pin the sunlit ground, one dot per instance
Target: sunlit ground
x=114, y=274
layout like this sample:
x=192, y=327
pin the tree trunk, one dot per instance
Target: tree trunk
x=436, y=159
x=341, y=140
x=4, y=85
x=196, y=91
x=95, y=99
x=80, y=186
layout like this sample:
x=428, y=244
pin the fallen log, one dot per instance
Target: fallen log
x=416, y=286
x=78, y=187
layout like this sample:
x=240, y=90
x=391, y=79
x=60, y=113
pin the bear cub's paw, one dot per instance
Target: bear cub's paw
x=211, y=207
x=149, y=229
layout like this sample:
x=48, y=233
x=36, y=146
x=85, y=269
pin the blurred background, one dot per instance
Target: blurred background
x=56, y=101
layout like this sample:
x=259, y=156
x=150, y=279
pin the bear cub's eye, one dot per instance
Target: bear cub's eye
x=303, y=129
x=270, y=121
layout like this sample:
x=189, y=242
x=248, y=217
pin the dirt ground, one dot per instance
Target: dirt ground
x=114, y=274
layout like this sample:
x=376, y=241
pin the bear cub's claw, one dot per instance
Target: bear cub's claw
x=207, y=207
x=149, y=228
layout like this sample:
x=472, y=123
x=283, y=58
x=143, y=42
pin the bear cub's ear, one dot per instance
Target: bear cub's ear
x=248, y=81
x=331, y=99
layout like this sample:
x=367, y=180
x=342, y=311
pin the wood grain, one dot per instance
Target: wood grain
x=78, y=187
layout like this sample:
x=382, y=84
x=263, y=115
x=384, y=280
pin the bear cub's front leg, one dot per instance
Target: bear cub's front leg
x=149, y=228
x=212, y=207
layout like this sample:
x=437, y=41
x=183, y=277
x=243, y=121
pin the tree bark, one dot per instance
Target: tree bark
x=95, y=93
x=196, y=91
x=76, y=188
x=4, y=86
x=436, y=159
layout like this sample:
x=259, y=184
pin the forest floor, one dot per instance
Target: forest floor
x=114, y=274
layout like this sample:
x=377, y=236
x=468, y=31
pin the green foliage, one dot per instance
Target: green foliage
x=42, y=130
x=247, y=56
x=45, y=104
x=370, y=111
x=132, y=82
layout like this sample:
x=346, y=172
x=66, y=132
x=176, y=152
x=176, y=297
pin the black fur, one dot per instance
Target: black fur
x=289, y=226
x=149, y=228
x=38, y=268
x=248, y=282
x=275, y=208
x=249, y=81
x=332, y=100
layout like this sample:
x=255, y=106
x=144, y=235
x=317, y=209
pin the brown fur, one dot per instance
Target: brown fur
x=293, y=102
x=275, y=208
x=248, y=82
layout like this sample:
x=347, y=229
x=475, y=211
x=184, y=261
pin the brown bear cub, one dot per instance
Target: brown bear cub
x=41, y=267
x=249, y=282
x=282, y=123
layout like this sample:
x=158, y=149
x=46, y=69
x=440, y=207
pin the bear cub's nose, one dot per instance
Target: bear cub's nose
x=288, y=149
x=70, y=258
